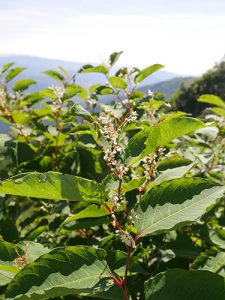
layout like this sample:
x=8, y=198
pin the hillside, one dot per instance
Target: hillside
x=212, y=82
x=168, y=87
x=35, y=65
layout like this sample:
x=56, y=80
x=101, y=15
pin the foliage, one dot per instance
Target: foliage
x=118, y=201
x=212, y=82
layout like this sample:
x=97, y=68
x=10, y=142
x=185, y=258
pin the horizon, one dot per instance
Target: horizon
x=183, y=36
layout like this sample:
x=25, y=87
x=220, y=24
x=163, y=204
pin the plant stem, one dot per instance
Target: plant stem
x=129, y=251
x=125, y=293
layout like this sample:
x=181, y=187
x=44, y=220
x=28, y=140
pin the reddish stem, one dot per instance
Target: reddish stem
x=127, y=265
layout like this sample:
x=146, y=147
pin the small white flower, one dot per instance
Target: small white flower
x=151, y=94
x=58, y=91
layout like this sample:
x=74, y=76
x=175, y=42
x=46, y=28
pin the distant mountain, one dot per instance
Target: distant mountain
x=36, y=65
x=162, y=81
x=168, y=87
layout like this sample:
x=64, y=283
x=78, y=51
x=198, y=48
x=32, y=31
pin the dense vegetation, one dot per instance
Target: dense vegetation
x=212, y=82
x=119, y=201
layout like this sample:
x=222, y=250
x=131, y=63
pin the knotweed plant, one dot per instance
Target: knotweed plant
x=108, y=201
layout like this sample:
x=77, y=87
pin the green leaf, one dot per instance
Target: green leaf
x=8, y=254
x=150, y=138
x=173, y=162
x=91, y=69
x=177, y=284
x=117, y=82
x=8, y=229
x=212, y=260
x=174, y=204
x=78, y=110
x=104, y=90
x=147, y=72
x=132, y=184
x=23, y=84
x=86, y=223
x=62, y=70
x=13, y=73
x=137, y=95
x=54, y=186
x=54, y=74
x=7, y=251
x=7, y=273
x=21, y=117
x=171, y=174
x=217, y=236
x=92, y=211
x=218, y=111
x=47, y=94
x=75, y=90
x=7, y=66
x=113, y=58
x=32, y=250
x=63, y=271
x=36, y=232
x=212, y=99
x=90, y=216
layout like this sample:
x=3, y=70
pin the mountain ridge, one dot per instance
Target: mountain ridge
x=35, y=65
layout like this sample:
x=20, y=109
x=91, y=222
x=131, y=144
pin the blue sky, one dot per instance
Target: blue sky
x=187, y=36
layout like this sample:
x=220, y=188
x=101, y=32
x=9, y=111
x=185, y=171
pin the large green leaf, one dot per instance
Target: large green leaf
x=7, y=67
x=212, y=99
x=117, y=82
x=218, y=111
x=171, y=174
x=91, y=69
x=147, y=72
x=9, y=253
x=149, y=139
x=132, y=184
x=72, y=90
x=212, y=260
x=13, y=73
x=53, y=186
x=79, y=110
x=177, y=284
x=63, y=271
x=174, y=204
x=7, y=273
x=217, y=236
x=23, y=84
x=54, y=74
x=92, y=211
x=21, y=117
x=32, y=250
x=114, y=57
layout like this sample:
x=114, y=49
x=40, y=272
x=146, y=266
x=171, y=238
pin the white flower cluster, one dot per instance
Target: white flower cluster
x=127, y=239
x=2, y=98
x=117, y=201
x=160, y=151
x=113, y=148
x=132, y=217
x=132, y=117
x=151, y=94
x=149, y=165
x=138, y=296
x=59, y=92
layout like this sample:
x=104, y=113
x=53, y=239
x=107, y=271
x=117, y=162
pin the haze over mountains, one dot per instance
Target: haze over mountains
x=161, y=81
x=35, y=65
